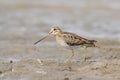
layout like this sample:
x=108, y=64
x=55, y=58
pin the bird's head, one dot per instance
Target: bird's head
x=55, y=31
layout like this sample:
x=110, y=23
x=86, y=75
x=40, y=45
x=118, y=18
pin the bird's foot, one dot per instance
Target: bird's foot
x=67, y=61
x=83, y=60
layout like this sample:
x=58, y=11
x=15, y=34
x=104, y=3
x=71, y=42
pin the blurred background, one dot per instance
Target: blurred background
x=31, y=18
x=23, y=22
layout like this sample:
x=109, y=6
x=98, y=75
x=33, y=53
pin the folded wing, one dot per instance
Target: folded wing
x=75, y=40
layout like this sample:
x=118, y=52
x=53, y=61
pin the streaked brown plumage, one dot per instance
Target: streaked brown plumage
x=71, y=40
x=75, y=40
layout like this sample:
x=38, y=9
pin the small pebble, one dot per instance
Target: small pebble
x=66, y=79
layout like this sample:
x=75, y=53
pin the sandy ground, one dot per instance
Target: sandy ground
x=102, y=64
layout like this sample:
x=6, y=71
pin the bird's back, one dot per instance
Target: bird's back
x=74, y=40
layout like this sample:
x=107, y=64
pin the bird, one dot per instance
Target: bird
x=70, y=41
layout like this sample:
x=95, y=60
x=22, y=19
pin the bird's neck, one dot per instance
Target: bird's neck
x=59, y=34
x=59, y=39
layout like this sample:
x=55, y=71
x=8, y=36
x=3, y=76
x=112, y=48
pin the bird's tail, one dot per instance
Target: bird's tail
x=93, y=42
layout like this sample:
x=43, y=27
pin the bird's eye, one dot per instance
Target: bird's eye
x=54, y=29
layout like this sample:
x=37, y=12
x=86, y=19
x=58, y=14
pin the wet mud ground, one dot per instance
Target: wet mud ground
x=102, y=64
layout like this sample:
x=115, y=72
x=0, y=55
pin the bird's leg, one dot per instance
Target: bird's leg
x=85, y=52
x=70, y=57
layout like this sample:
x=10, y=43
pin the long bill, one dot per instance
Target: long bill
x=40, y=40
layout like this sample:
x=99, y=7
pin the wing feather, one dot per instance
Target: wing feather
x=75, y=40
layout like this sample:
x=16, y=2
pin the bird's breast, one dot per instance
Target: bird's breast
x=60, y=40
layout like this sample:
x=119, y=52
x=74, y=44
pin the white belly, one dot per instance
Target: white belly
x=61, y=41
x=63, y=44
